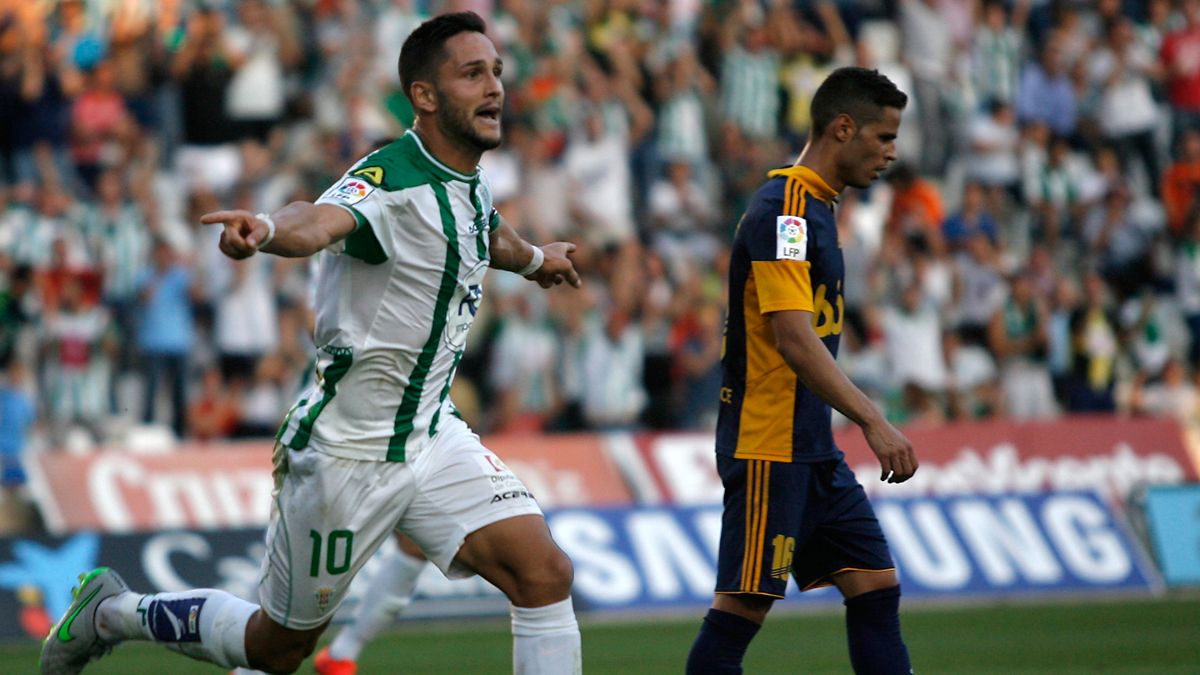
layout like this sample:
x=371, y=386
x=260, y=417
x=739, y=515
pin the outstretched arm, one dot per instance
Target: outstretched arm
x=512, y=253
x=814, y=366
x=301, y=229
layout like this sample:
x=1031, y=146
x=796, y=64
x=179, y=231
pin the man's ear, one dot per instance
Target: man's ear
x=424, y=97
x=844, y=127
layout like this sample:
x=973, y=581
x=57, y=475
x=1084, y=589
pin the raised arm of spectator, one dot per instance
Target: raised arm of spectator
x=300, y=230
x=284, y=26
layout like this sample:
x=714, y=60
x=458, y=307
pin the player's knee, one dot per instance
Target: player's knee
x=283, y=661
x=274, y=649
x=546, y=580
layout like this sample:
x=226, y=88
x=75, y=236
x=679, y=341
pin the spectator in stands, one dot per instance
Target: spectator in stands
x=613, y=352
x=1060, y=347
x=203, y=68
x=119, y=236
x=1095, y=348
x=167, y=332
x=1181, y=184
x=974, y=218
x=979, y=289
x=260, y=47
x=1171, y=396
x=992, y=161
x=213, y=413
x=973, y=389
x=1119, y=243
x=915, y=357
x=1187, y=286
x=100, y=124
x=1144, y=324
x=1181, y=60
x=917, y=209
x=597, y=161
x=1123, y=72
x=525, y=355
x=996, y=55
x=750, y=76
x=1018, y=336
x=928, y=49
x=682, y=213
x=1045, y=93
x=696, y=342
x=80, y=345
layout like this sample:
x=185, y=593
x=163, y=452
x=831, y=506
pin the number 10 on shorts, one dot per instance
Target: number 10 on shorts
x=337, y=556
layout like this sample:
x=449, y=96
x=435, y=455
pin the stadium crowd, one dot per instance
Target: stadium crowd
x=1035, y=252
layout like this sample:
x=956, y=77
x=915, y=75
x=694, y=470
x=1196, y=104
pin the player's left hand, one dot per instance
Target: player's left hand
x=897, y=459
x=557, y=267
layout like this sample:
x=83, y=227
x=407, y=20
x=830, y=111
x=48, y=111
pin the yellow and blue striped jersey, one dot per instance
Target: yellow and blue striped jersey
x=785, y=257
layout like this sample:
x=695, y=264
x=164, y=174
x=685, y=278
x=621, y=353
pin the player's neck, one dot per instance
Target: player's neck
x=821, y=159
x=454, y=155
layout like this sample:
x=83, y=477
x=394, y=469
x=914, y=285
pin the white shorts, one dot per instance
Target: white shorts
x=331, y=514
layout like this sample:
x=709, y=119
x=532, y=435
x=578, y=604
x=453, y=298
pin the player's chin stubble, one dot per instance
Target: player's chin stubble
x=460, y=124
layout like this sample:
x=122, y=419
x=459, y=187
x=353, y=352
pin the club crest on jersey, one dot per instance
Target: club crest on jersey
x=351, y=191
x=791, y=238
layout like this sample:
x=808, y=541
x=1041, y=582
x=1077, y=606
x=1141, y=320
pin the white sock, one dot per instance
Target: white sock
x=388, y=593
x=205, y=624
x=546, y=640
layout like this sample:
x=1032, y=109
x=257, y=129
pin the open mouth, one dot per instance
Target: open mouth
x=489, y=113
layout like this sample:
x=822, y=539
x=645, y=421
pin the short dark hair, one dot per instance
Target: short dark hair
x=424, y=49
x=860, y=93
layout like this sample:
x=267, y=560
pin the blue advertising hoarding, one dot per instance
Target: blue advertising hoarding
x=1173, y=518
x=635, y=558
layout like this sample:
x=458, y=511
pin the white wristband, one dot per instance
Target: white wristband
x=535, y=263
x=266, y=217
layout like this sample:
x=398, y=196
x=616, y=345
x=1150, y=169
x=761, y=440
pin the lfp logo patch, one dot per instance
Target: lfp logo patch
x=791, y=238
x=351, y=191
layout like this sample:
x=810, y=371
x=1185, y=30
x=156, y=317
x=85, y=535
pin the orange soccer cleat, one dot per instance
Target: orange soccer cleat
x=327, y=665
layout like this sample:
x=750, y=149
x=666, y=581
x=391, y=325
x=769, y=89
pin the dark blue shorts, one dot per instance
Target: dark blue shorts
x=812, y=520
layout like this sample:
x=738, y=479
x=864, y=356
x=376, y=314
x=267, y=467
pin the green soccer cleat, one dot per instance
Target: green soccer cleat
x=74, y=641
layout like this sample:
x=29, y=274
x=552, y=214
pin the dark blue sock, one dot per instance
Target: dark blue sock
x=873, y=630
x=721, y=644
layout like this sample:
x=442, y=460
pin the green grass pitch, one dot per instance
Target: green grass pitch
x=1159, y=637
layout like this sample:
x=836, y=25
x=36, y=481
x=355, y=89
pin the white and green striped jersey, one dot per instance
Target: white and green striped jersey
x=394, y=303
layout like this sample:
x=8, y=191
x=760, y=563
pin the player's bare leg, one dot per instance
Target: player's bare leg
x=389, y=592
x=518, y=556
x=873, y=622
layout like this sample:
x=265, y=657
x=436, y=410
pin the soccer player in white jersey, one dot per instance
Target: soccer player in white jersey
x=374, y=445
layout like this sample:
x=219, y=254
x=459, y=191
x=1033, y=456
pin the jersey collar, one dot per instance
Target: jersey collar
x=438, y=165
x=819, y=187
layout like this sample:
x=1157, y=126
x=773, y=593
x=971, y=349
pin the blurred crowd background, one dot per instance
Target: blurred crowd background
x=1036, y=251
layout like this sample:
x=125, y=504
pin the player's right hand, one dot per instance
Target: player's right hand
x=897, y=459
x=242, y=233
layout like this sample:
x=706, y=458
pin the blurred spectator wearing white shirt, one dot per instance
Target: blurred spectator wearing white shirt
x=914, y=351
x=1124, y=73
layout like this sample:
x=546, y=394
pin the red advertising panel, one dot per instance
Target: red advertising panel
x=1110, y=454
x=229, y=485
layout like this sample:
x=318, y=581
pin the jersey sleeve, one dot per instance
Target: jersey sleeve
x=368, y=203
x=778, y=247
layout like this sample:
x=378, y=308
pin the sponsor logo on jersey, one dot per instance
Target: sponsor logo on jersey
x=324, y=596
x=791, y=238
x=351, y=191
x=511, y=494
x=374, y=174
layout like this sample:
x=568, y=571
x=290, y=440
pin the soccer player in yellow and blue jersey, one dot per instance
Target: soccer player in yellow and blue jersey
x=792, y=505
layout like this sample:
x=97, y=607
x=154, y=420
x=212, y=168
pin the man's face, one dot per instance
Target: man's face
x=870, y=150
x=470, y=96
